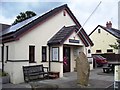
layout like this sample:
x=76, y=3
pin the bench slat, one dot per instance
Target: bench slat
x=34, y=72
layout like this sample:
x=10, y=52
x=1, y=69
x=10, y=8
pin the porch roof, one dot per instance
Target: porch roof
x=63, y=34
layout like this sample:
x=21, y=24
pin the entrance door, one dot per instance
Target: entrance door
x=66, y=59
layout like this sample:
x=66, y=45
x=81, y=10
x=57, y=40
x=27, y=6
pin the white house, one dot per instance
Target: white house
x=2, y=27
x=43, y=40
x=103, y=37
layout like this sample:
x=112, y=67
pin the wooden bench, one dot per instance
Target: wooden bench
x=35, y=72
x=107, y=69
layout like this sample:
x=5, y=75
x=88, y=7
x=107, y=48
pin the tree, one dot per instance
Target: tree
x=23, y=16
x=115, y=46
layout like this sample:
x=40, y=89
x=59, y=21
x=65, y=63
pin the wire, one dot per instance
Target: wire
x=88, y=18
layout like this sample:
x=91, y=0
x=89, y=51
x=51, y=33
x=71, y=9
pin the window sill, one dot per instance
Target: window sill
x=55, y=61
x=32, y=62
x=44, y=61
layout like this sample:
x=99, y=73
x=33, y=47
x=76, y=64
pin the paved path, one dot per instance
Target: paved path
x=95, y=80
x=69, y=81
x=95, y=75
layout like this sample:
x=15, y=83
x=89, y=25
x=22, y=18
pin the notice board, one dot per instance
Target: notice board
x=117, y=73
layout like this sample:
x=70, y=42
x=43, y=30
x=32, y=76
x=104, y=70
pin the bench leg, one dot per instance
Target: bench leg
x=106, y=70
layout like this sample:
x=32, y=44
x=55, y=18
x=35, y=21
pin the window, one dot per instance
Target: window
x=89, y=51
x=55, y=54
x=44, y=54
x=98, y=51
x=99, y=31
x=6, y=53
x=31, y=54
x=110, y=50
x=64, y=13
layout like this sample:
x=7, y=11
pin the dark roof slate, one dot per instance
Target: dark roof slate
x=3, y=27
x=62, y=35
x=33, y=20
x=16, y=31
x=113, y=31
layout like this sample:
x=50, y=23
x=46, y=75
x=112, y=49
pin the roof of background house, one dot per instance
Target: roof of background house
x=113, y=31
x=16, y=31
x=3, y=26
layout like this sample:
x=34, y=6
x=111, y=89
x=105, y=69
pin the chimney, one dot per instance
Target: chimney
x=109, y=25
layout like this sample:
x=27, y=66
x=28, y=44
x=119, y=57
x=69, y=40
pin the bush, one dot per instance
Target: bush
x=3, y=74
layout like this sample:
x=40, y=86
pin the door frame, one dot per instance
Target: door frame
x=31, y=54
x=69, y=58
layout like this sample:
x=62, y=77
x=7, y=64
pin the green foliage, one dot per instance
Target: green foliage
x=3, y=74
x=23, y=16
x=115, y=46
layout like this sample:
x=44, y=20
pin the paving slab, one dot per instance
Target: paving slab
x=69, y=81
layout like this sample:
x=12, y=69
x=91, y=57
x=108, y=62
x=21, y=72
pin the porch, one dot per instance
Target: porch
x=63, y=58
x=65, y=46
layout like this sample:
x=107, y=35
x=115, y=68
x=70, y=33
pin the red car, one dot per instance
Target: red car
x=100, y=61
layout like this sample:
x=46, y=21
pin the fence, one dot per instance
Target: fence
x=111, y=56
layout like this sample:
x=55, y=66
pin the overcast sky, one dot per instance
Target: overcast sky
x=107, y=11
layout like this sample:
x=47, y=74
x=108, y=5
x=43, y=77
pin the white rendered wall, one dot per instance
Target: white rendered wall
x=19, y=50
x=76, y=38
x=90, y=58
x=58, y=67
x=102, y=41
x=40, y=35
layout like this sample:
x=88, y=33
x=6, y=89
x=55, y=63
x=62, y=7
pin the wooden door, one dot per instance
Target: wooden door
x=66, y=59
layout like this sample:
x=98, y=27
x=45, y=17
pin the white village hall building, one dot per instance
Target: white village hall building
x=43, y=40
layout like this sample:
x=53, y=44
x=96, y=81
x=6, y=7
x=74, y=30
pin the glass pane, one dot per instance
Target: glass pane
x=55, y=54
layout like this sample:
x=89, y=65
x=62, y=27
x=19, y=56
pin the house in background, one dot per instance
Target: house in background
x=46, y=40
x=2, y=28
x=103, y=37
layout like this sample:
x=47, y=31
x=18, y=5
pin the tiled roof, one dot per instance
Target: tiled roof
x=62, y=35
x=32, y=21
x=113, y=31
x=3, y=27
x=16, y=31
